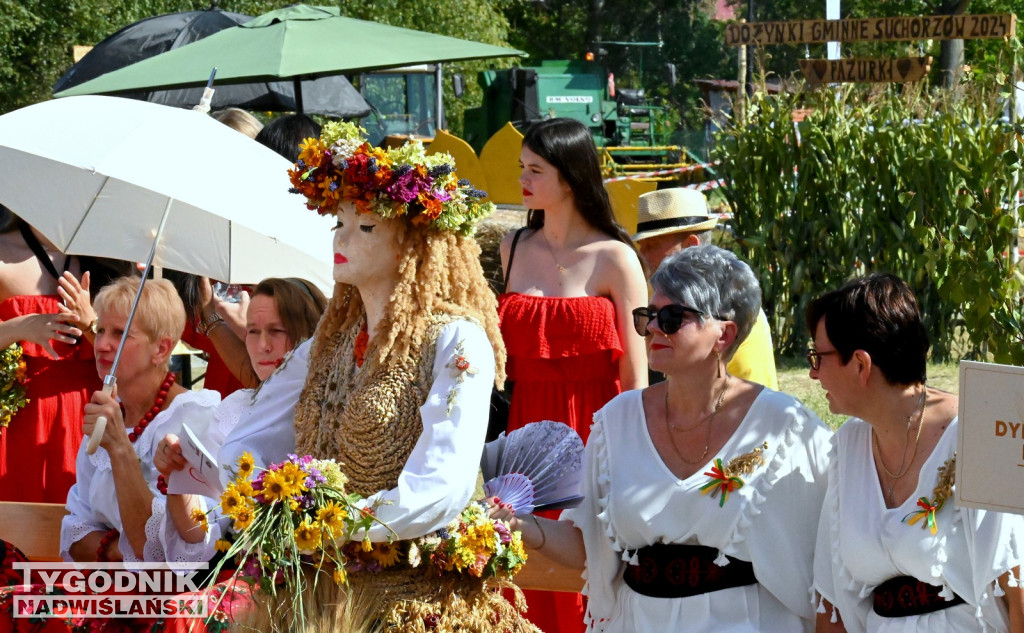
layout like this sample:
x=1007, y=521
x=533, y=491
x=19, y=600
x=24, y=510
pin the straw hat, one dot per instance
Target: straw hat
x=672, y=211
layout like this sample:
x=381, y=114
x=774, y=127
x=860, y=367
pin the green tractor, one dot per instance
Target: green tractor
x=630, y=133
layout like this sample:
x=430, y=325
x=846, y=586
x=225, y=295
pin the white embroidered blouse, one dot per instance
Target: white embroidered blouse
x=861, y=544
x=634, y=500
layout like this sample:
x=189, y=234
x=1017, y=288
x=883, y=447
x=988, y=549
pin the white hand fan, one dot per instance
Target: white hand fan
x=537, y=467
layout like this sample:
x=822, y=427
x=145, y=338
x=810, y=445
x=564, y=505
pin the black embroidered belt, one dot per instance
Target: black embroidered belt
x=904, y=596
x=678, y=571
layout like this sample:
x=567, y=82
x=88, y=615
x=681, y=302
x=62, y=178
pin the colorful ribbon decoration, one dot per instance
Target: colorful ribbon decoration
x=927, y=512
x=721, y=482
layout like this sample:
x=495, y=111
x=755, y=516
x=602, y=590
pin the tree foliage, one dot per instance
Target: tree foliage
x=919, y=183
x=36, y=36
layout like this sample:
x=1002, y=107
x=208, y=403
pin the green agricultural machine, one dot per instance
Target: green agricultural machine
x=629, y=132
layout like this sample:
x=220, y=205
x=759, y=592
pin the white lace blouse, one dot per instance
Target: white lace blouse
x=633, y=500
x=92, y=501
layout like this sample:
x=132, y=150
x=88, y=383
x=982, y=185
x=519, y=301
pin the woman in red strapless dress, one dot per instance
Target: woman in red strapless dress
x=572, y=280
x=38, y=448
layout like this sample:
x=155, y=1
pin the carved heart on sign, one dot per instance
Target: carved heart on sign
x=903, y=67
x=819, y=68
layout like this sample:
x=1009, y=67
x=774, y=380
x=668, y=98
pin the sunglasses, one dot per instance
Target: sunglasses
x=814, y=357
x=670, y=318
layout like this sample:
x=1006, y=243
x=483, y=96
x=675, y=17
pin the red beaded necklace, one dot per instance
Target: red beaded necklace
x=158, y=404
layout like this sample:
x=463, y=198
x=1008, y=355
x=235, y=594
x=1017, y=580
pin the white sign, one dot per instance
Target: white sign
x=570, y=99
x=990, y=461
x=201, y=474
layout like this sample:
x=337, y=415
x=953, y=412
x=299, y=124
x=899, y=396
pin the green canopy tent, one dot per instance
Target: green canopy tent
x=298, y=42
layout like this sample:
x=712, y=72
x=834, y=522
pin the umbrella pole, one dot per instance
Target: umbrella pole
x=298, y=95
x=110, y=380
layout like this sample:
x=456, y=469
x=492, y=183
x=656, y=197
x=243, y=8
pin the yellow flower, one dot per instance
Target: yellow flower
x=244, y=488
x=293, y=504
x=243, y=517
x=221, y=545
x=387, y=554
x=246, y=465
x=273, y=486
x=307, y=536
x=199, y=517
x=309, y=149
x=332, y=518
x=230, y=500
x=339, y=576
x=293, y=478
x=367, y=545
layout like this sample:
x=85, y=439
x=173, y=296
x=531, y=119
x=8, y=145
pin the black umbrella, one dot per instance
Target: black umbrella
x=331, y=96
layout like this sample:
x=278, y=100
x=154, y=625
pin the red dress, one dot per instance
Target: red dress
x=218, y=377
x=563, y=358
x=38, y=449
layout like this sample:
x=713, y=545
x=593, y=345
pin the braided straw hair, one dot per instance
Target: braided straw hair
x=439, y=273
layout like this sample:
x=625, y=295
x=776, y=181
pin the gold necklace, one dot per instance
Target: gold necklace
x=904, y=465
x=551, y=251
x=707, y=438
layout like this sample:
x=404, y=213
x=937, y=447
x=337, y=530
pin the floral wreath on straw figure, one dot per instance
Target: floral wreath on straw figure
x=341, y=166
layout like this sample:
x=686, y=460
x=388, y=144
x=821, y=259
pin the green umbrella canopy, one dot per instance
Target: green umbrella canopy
x=297, y=41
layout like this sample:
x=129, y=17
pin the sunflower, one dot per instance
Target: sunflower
x=293, y=479
x=243, y=517
x=230, y=500
x=246, y=465
x=199, y=517
x=274, y=486
x=307, y=536
x=221, y=545
x=387, y=554
x=332, y=518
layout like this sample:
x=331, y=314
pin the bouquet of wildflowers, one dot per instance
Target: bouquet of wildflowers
x=12, y=391
x=289, y=519
x=341, y=166
x=473, y=544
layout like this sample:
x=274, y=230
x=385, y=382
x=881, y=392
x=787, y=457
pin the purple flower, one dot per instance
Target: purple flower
x=463, y=182
x=333, y=186
x=407, y=187
x=301, y=164
x=441, y=194
x=474, y=193
x=441, y=170
x=371, y=165
x=401, y=170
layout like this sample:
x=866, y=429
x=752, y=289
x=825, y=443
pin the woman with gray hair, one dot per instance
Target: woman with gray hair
x=701, y=493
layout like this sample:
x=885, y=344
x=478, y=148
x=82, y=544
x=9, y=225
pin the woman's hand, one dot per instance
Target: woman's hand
x=502, y=511
x=76, y=299
x=42, y=328
x=168, y=456
x=104, y=404
x=234, y=314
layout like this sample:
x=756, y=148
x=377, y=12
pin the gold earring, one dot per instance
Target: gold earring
x=718, y=356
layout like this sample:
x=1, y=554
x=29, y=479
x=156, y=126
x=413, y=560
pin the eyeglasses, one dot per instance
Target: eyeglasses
x=814, y=357
x=670, y=318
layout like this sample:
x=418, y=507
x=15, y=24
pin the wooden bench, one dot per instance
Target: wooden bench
x=34, y=528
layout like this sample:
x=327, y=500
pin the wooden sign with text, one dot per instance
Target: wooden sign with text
x=936, y=27
x=904, y=69
x=990, y=448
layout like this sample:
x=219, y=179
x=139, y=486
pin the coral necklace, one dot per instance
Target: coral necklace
x=158, y=404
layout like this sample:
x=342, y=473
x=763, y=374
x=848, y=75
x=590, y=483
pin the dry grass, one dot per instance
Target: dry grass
x=793, y=379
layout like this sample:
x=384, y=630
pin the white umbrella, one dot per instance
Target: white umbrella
x=103, y=176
